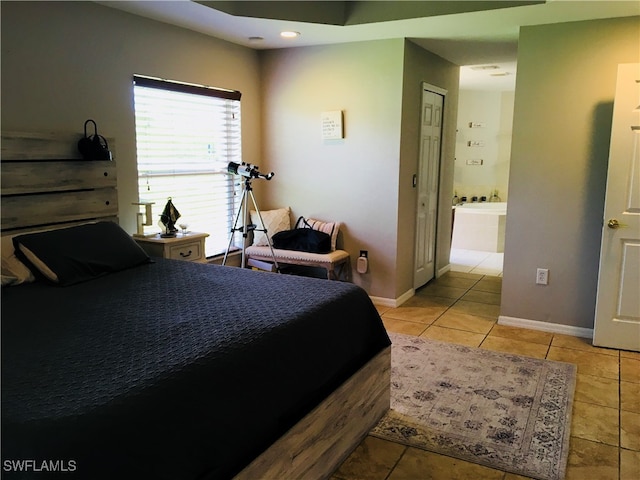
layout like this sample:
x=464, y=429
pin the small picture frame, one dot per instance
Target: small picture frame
x=332, y=128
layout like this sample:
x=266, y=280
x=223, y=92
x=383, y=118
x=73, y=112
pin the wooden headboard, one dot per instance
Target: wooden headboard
x=45, y=181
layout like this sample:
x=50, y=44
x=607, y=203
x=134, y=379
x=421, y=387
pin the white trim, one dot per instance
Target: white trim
x=434, y=89
x=405, y=296
x=394, y=303
x=384, y=302
x=443, y=270
x=546, y=326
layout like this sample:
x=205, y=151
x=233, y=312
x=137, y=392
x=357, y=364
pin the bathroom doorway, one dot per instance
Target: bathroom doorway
x=481, y=177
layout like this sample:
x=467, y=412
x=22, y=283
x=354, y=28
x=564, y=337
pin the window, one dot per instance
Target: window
x=185, y=136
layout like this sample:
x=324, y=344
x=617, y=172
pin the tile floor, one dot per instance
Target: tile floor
x=475, y=261
x=463, y=308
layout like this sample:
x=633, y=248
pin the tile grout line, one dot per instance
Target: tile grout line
x=397, y=462
x=619, y=417
x=467, y=291
x=451, y=306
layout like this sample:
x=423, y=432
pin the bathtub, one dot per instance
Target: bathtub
x=479, y=226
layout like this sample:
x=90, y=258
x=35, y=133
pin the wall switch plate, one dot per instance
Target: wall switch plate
x=542, y=276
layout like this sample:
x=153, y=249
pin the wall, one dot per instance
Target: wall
x=353, y=180
x=495, y=110
x=423, y=66
x=565, y=88
x=365, y=179
x=64, y=62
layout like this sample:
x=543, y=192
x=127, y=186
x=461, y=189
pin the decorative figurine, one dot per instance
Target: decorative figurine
x=169, y=217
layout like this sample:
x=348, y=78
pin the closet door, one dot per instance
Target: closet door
x=428, y=185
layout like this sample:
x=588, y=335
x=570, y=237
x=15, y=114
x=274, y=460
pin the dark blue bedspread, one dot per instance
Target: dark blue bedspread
x=172, y=370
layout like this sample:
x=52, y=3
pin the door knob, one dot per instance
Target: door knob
x=614, y=223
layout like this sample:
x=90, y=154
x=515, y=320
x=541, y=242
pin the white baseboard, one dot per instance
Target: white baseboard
x=545, y=326
x=443, y=270
x=391, y=302
x=394, y=303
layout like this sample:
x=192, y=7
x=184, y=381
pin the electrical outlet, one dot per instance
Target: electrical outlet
x=542, y=276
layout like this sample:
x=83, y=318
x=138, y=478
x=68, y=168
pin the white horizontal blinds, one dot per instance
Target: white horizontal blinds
x=184, y=135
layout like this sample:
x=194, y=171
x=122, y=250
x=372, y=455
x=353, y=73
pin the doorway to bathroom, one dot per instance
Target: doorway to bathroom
x=477, y=244
x=481, y=177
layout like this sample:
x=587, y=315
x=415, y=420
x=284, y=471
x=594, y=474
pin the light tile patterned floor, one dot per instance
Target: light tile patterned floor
x=476, y=261
x=463, y=308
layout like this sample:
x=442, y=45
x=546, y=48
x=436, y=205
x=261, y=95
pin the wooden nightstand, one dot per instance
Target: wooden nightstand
x=189, y=247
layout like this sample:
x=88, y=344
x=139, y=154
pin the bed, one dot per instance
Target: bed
x=153, y=368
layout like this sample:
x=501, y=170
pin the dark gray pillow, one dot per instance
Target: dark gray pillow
x=76, y=254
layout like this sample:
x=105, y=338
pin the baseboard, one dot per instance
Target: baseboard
x=546, y=326
x=391, y=302
x=443, y=270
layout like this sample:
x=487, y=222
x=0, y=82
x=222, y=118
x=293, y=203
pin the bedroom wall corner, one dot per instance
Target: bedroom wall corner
x=353, y=180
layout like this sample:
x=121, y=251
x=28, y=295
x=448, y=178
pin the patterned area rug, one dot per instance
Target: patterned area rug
x=504, y=411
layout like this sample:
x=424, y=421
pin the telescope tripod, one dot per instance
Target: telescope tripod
x=247, y=226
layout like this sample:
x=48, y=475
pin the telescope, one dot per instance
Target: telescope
x=247, y=170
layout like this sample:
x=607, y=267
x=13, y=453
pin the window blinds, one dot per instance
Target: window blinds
x=185, y=136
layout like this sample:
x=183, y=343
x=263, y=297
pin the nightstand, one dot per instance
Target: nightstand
x=188, y=246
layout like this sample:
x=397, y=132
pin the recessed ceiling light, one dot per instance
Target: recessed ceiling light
x=255, y=39
x=289, y=34
x=499, y=74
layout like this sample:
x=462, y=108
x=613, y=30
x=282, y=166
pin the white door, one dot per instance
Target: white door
x=427, y=183
x=617, y=322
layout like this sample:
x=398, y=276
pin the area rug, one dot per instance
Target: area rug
x=505, y=411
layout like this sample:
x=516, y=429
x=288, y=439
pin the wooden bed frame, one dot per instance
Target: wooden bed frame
x=45, y=182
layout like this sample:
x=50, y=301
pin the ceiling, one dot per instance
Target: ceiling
x=467, y=33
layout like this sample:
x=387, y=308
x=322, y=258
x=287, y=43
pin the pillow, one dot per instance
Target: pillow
x=332, y=228
x=274, y=220
x=72, y=255
x=14, y=272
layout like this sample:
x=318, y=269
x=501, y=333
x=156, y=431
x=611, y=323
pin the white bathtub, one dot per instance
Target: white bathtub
x=479, y=226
